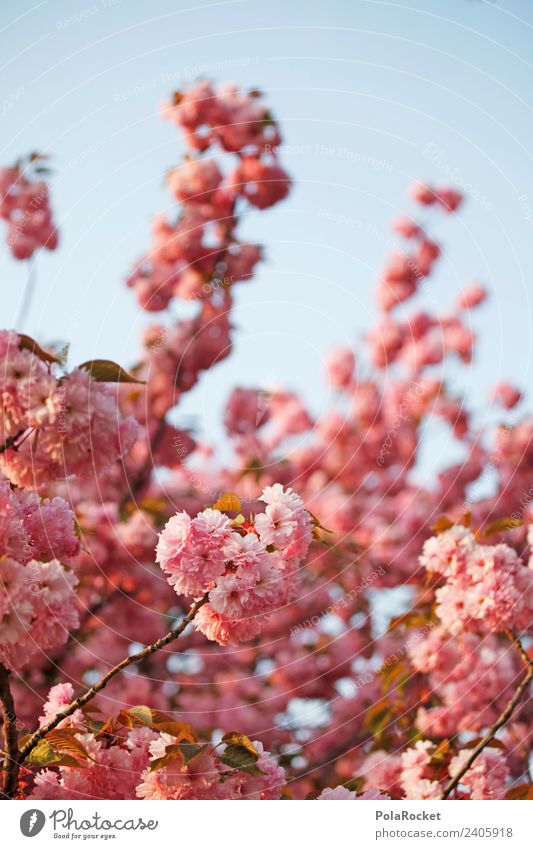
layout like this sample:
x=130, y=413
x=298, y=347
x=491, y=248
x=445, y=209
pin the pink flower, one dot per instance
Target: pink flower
x=31, y=529
x=246, y=411
x=283, y=518
x=276, y=525
x=24, y=204
x=447, y=554
x=487, y=777
x=414, y=776
x=340, y=366
x=262, y=183
x=267, y=785
x=58, y=698
x=472, y=296
x=217, y=628
x=244, y=551
x=506, y=395
x=190, y=551
x=340, y=793
x=488, y=587
x=37, y=609
x=196, y=180
x=423, y=194
x=199, y=779
x=111, y=772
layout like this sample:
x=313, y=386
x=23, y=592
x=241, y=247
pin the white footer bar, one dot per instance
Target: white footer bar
x=256, y=825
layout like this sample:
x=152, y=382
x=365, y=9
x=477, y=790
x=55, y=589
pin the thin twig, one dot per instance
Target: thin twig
x=10, y=442
x=27, y=297
x=88, y=695
x=500, y=722
x=10, y=766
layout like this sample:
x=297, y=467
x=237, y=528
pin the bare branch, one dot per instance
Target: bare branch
x=10, y=766
x=89, y=694
x=500, y=722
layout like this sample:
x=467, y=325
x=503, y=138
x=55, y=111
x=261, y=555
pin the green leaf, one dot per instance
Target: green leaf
x=189, y=751
x=240, y=753
x=106, y=371
x=238, y=758
x=144, y=716
x=26, y=343
x=500, y=526
x=241, y=740
x=66, y=740
x=43, y=754
x=172, y=753
x=184, y=752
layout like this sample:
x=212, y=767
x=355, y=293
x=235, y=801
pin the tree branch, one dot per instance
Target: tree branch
x=10, y=766
x=11, y=440
x=89, y=694
x=502, y=719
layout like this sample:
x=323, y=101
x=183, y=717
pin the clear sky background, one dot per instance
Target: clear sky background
x=370, y=95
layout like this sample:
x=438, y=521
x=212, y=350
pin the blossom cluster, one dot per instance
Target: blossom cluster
x=206, y=777
x=487, y=587
x=247, y=568
x=423, y=772
x=446, y=197
x=197, y=254
x=174, y=357
x=38, y=609
x=54, y=426
x=147, y=763
x=35, y=529
x=25, y=206
x=453, y=668
x=405, y=272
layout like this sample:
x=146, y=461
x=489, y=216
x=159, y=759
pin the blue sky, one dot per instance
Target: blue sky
x=370, y=95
